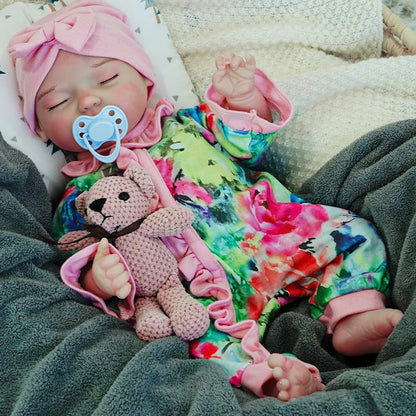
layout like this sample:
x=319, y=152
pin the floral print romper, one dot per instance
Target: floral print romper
x=273, y=246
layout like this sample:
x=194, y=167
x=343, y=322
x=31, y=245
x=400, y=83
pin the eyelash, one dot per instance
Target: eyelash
x=109, y=79
x=57, y=105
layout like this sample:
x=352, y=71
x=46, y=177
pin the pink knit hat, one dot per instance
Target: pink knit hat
x=86, y=27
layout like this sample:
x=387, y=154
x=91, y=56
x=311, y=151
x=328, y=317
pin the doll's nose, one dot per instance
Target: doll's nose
x=89, y=104
x=98, y=204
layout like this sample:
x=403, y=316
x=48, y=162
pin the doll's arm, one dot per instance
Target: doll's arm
x=234, y=79
x=243, y=135
x=107, y=277
x=167, y=221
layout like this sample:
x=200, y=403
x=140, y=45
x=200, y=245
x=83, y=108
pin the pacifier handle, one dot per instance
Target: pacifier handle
x=91, y=132
x=102, y=158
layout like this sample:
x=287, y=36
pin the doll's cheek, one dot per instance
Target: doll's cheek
x=58, y=129
x=134, y=102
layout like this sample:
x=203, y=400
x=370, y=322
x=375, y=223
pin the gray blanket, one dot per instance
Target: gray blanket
x=62, y=356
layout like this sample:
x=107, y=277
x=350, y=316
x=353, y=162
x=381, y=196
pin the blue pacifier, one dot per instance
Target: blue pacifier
x=110, y=125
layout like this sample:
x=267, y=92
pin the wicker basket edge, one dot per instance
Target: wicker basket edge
x=398, y=38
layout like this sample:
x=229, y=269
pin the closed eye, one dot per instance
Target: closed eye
x=106, y=81
x=57, y=105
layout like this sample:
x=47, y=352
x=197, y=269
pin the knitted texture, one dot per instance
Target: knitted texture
x=163, y=306
x=325, y=54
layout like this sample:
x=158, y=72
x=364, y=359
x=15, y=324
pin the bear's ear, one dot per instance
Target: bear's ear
x=137, y=174
x=80, y=203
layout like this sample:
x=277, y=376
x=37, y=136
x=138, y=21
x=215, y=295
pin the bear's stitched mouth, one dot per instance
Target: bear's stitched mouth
x=104, y=218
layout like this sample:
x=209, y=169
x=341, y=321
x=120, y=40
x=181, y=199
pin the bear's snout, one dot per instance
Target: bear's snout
x=98, y=204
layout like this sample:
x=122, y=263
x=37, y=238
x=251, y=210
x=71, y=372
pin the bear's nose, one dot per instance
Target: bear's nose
x=98, y=204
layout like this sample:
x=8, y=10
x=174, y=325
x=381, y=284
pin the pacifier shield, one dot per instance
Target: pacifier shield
x=91, y=132
x=101, y=131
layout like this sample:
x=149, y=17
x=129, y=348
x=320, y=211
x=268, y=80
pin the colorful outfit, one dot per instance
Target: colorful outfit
x=254, y=246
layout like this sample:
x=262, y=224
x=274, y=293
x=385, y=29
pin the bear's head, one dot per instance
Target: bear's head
x=115, y=202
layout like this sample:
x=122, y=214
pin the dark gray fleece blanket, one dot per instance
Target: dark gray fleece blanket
x=62, y=356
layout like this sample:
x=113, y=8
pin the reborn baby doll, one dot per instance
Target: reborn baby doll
x=253, y=247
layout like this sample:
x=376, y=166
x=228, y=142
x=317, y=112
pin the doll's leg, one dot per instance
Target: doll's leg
x=365, y=332
x=350, y=299
x=151, y=322
x=292, y=379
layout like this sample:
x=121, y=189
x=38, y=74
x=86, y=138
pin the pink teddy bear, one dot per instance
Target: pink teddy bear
x=122, y=208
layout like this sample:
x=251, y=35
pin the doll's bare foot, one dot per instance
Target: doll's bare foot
x=366, y=332
x=292, y=379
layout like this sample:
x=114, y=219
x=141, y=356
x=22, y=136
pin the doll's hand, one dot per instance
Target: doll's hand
x=108, y=273
x=234, y=78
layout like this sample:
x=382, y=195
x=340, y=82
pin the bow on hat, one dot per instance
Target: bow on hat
x=71, y=31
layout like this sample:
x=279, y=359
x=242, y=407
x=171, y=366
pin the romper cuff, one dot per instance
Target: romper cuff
x=351, y=304
x=71, y=272
x=256, y=375
x=249, y=121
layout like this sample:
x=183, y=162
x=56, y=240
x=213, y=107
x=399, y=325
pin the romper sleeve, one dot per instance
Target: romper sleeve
x=244, y=136
x=70, y=274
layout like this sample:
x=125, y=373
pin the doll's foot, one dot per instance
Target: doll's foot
x=292, y=379
x=366, y=332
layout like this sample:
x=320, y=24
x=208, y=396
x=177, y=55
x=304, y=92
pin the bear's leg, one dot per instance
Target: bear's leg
x=189, y=318
x=151, y=322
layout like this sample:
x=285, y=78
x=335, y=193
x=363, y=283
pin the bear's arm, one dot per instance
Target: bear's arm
x=75, y=240
x=167, y=221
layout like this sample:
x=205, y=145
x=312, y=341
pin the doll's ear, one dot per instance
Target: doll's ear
x=142, y=178
x=80, y=204
x=41, y=134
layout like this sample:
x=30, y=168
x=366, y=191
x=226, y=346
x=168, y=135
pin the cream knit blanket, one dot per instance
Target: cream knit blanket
x=325, y=54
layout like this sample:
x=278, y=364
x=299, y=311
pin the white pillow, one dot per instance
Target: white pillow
x=152, y=34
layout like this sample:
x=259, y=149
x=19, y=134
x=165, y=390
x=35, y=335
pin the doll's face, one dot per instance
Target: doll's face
x=82, y=85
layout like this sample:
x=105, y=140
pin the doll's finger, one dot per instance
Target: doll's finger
x=223, y=60
x=102, y=249
x=100, y=279
x=218, y=76
x=109, y=260
x=220, y=62
x=120, y=280
x=124, y=291
x=116, y=270
x=228, y=57
x=250, y=61
x=121, y=285
x=236, y=61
